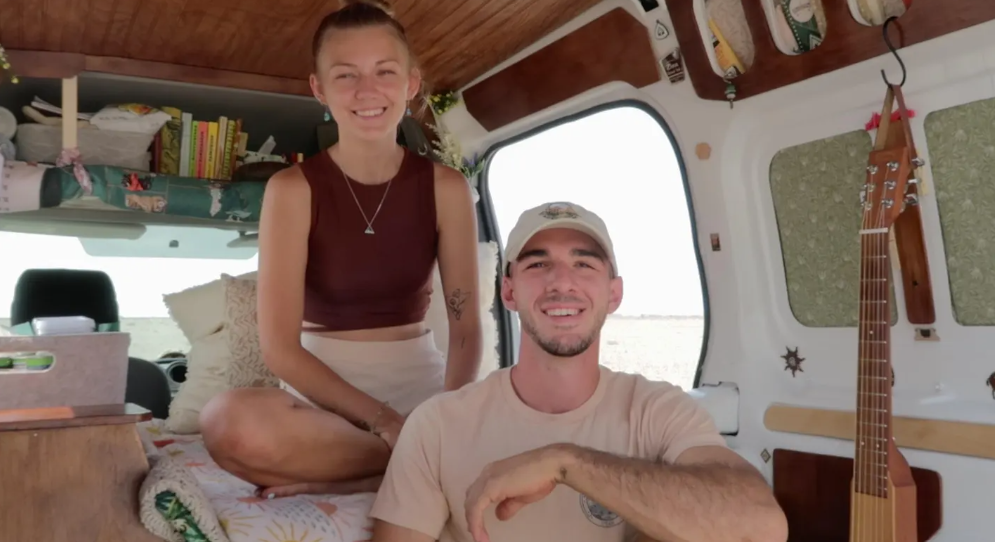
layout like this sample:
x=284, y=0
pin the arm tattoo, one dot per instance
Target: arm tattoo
x=456, y=301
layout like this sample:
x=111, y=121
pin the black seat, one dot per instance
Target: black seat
x=77, y=292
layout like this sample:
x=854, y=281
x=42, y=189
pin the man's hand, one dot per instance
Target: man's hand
x=511, y=484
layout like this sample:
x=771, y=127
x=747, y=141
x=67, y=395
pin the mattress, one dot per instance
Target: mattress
x=241, y=515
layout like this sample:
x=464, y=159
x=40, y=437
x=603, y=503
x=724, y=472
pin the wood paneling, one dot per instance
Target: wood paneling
x=814, y=492
x=73, y=483
x=454, y=40
x=847, y=42
x=613, y=47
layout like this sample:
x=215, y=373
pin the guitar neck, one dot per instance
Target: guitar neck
x=873, y=431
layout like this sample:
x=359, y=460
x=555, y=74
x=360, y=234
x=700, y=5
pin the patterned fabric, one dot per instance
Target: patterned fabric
x=156, y=193
x=816, y=189
x=178, y=515
x=961, y=159
x=71, y=157
x=246, y=369
x=222, y=499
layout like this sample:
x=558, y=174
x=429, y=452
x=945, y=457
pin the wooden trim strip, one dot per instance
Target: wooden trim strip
x=950, y=437
x=64, y=65
x=58, y=417
x=45, y=64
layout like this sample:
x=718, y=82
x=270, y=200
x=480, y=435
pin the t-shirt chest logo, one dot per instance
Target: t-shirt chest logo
x=597, y=514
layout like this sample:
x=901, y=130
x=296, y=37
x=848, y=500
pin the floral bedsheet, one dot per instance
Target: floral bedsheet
x=243, y=516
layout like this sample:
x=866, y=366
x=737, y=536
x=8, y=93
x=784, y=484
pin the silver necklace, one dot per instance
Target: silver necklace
x=369, y=222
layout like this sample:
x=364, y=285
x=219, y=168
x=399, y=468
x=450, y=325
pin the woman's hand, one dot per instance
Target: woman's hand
x=390, y=429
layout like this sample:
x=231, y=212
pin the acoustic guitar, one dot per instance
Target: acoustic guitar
x=883, y=493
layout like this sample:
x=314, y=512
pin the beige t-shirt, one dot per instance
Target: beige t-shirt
x=451, y=437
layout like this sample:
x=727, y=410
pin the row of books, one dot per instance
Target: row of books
x=199, y=148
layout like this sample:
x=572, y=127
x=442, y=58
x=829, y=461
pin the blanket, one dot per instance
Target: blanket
x=187, y=497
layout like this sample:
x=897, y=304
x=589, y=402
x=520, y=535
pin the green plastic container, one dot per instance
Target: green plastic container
x=38, y=362
x=33, y=361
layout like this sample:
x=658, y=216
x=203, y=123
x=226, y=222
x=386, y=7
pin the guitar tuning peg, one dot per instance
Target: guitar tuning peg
x=918, y=162
x=911, y=199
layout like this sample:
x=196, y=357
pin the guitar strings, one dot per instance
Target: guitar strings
x=881, y=304
x=856, y=533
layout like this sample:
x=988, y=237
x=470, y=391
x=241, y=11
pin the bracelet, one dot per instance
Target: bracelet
x=373, y=425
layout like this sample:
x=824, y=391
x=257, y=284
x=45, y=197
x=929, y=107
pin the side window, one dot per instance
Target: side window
x=621, y=164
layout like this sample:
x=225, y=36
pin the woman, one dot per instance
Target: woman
x=347, y=244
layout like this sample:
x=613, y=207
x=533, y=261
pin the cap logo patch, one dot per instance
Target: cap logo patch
x=558, y=210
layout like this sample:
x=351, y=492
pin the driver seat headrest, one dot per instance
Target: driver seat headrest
x=64, y=292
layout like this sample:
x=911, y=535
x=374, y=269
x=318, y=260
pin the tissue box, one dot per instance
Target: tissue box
x=88, y=369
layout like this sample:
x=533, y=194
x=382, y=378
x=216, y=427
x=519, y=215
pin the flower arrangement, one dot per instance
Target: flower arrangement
x=5, y=66
x=447, y=148
x=443, y=101
x=450, y=152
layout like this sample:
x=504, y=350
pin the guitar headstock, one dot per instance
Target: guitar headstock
x=886, y=191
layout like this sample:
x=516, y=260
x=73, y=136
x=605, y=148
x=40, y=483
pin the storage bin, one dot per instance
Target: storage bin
x=89, y=369
x=43, y=143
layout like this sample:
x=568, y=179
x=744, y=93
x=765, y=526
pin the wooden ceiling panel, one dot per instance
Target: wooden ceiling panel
x=456, y=41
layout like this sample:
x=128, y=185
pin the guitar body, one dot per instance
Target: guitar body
x=882, y=493
x=891, y=518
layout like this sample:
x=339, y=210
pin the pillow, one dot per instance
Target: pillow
x=199, y=310
x=246, y=369
x=438, y=318
x=207, y=363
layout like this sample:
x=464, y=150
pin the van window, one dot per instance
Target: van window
x=140, y=279
x=621, y=164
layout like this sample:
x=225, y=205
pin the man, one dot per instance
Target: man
x=559, y=448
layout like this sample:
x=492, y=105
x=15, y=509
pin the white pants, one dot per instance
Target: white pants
x=402, y=373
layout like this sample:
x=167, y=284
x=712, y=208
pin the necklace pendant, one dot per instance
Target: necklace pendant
x=369, y=230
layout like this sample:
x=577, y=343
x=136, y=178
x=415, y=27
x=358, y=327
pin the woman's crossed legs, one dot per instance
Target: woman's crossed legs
x=270, y=438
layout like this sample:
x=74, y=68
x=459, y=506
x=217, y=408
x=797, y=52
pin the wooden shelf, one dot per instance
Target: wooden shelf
x=49, y=64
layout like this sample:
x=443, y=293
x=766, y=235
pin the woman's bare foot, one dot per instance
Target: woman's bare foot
x=348, y=487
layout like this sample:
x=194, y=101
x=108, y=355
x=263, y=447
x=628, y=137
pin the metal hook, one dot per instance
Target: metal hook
x=894, y=51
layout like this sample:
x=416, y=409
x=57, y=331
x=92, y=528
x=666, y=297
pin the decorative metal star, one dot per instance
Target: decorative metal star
x=792, y=362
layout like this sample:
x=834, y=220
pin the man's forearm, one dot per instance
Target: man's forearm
x=463, y=358
x=677, y=503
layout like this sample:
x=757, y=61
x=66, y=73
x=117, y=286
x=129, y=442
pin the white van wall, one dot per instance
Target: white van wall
x=751, y=321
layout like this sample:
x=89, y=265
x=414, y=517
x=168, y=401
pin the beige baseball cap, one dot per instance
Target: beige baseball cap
x=559, y=214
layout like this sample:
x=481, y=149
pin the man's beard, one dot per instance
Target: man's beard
x=561, y=348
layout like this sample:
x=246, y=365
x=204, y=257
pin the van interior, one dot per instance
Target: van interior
x=796, y=190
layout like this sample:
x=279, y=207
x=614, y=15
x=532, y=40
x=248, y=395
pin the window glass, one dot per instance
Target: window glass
x=620, y=164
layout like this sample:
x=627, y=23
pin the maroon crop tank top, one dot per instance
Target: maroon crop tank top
x=356, y=280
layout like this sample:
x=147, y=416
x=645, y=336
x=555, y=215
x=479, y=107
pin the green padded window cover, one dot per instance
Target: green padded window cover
x=961, y=144
x=816, y=192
